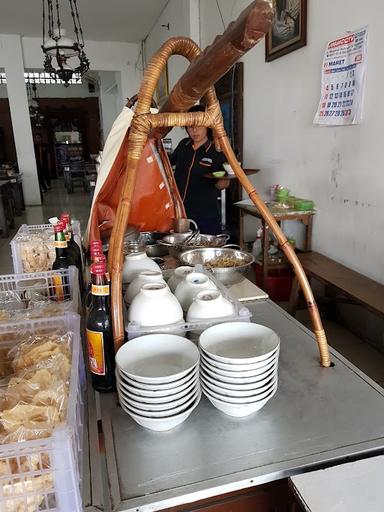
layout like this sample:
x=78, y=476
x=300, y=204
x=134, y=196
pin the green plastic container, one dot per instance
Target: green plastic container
x=304, y=205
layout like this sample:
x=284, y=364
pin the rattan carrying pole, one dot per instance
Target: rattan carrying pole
x=285, y=246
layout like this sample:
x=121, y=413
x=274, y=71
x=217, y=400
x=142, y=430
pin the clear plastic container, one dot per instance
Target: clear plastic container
x=26, y=483
x=41, y=238
x=38, y=294
x=241, y=314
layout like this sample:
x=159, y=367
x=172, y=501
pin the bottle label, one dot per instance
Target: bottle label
x=95, y=343
x=61, y=244
x=58, y=287
x=100, y=290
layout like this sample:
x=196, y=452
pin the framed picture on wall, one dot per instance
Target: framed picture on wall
x=162, y=88
x=289, y=28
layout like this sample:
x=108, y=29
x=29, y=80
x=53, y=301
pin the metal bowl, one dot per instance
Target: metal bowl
x=150, y=237
x=227, y=275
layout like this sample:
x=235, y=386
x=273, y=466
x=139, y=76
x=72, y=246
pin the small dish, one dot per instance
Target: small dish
x=219, y=174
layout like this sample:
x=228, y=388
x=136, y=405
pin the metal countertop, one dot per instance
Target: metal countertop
x=318, y=416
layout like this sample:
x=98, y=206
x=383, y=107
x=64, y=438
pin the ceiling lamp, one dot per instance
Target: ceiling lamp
x=64, y=57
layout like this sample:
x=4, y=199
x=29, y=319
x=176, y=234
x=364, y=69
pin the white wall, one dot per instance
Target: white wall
x=109, y=99
x=182, y=16
x=340, y=168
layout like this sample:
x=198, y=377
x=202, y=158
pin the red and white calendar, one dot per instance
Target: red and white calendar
x=342, y=80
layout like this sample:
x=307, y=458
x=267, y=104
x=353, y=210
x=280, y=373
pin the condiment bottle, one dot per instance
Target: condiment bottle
x=61, y=288
x=101, y=355
x=73, y=249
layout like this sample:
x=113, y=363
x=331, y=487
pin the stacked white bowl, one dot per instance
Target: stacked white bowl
x=238, y=368
x=157, y=378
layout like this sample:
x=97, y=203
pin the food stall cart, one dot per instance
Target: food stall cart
x=319, y=417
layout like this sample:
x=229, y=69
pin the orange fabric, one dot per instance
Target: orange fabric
x=156, y=200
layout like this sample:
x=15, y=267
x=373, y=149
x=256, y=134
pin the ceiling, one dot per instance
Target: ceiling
x=102, y=20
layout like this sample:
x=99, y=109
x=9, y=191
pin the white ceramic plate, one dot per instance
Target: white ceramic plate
x=168, y=387
x=253, y=386
x=162, y=424
x=157, y=358
x=247, y=374
x=239, y=410
x=239, y=342
x=162, y=414
x=163, y=406
x=237, y=382
x=157, y=397
x=248, y=394
x=239, y=400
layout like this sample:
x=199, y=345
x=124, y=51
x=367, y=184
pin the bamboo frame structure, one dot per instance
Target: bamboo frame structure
x=146, y=125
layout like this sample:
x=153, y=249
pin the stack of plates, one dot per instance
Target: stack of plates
x=157, y=378
x=238, y=368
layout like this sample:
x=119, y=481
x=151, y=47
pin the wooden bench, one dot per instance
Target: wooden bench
x=357, y=288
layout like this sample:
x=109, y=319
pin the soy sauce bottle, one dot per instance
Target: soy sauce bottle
x=60, y=289
x=74, y=250
x=101, y=354
x=96, y=257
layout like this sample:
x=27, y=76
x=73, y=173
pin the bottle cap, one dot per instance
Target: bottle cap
x=95, y=243
x=57, y=228
x=98, y=268
x=99, y=258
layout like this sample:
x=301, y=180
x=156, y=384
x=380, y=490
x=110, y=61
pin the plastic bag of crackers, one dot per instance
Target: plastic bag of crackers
x=34, y=390
x=37, y=251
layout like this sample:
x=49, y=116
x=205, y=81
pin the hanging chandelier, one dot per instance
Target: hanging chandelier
x=64, y=57
x=35, y=114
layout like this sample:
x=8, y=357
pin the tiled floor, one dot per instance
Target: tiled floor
x=365, y=357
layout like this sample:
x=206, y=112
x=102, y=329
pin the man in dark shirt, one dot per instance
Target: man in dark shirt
x=41, y=154
x=194, y=157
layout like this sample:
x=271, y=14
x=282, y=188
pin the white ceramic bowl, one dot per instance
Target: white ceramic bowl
x=237, y=381
x=146, y=276
x=237, y=370
x=154, y=306
x=209, y=304
x=157, y=358
x=239, y=367
x=240, y=400
x=159, y=394
x=239, y=410
x=238, y=387
x=178, y=275
x=169, y=387
x=162, y=414
x=239, y=342
x=146, y=407
x=230, y=394
x=190, y=286
x=162, y=424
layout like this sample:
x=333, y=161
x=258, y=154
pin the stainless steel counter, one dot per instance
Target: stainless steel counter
x=318, y=415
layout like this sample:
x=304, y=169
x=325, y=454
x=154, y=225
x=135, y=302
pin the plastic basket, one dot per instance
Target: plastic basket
x=64, y=448
x=42, y=230
x=60, y=286
x=241, y=314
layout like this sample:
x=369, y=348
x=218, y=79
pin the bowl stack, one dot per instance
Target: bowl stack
x=238, y=368
x=157, y=378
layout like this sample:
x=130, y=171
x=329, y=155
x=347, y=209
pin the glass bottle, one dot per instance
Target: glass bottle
x=101, y=354
x=61, y=289
x=74, y=250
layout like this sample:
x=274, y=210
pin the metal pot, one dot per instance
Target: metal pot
x=227, y=275
x=150, y=237
x=156, y=250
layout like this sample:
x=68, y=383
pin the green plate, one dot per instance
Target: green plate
x=219, y=174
